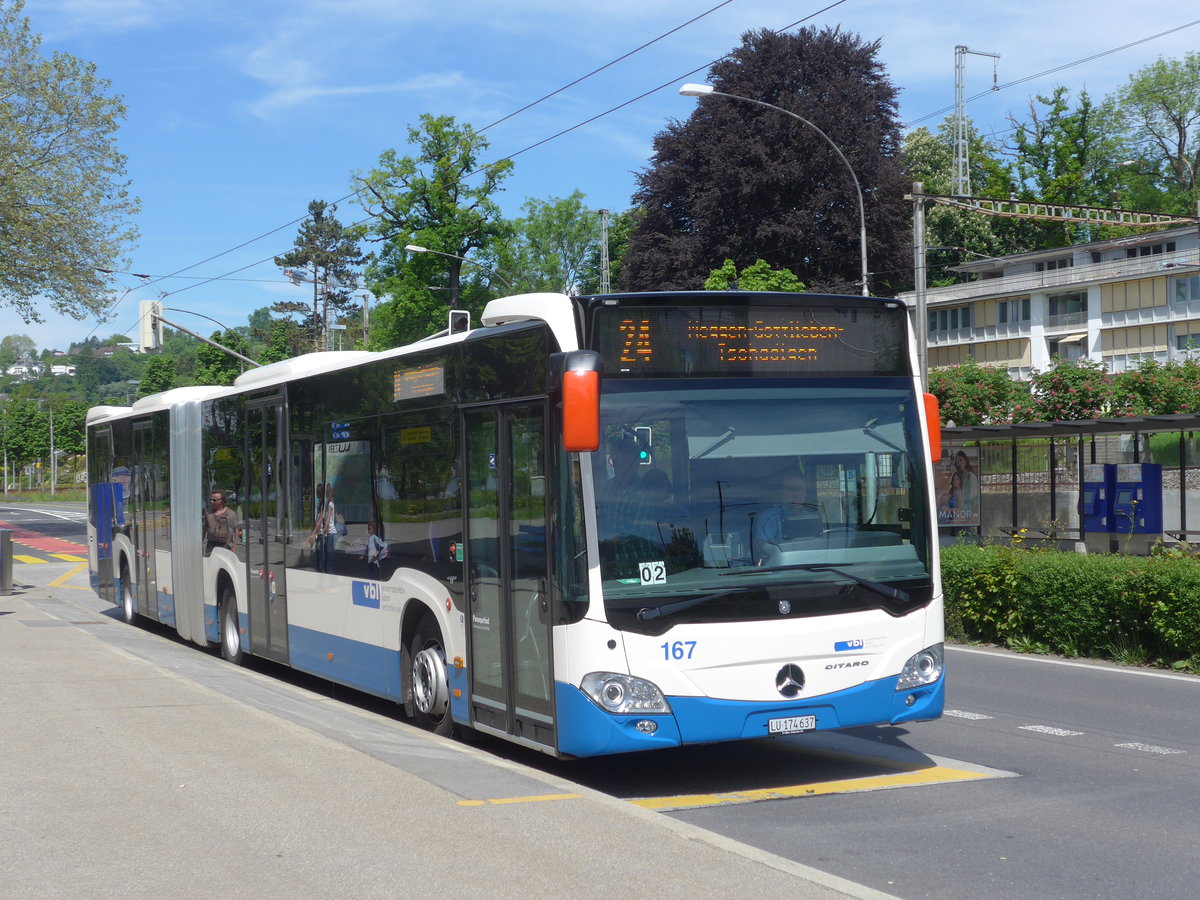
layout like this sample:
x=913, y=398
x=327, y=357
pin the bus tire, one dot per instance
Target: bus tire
x=129, y=611
x=430, y=683
x=231, y=634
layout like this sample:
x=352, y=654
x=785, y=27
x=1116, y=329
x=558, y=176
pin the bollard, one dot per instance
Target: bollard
x=5, y=562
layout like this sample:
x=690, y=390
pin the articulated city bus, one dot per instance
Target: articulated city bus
x=592, y=525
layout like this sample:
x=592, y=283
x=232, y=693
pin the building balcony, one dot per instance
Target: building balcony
x=1058, y=279
x=1066, y=320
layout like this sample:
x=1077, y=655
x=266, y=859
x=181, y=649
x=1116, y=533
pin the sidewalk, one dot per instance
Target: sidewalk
x=134, y=766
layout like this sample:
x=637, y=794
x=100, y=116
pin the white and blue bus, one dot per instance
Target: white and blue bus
x=612, y=523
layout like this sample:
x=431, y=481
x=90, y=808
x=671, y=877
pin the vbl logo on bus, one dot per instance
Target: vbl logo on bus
x=367, y=593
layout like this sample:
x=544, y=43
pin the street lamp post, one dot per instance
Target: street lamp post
x=416, y=248
x=705, y=90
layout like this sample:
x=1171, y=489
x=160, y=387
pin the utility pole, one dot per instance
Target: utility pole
x=921, y=318
x=53, y=455
x=962, y=173
x=605, y=286
x=366, y=295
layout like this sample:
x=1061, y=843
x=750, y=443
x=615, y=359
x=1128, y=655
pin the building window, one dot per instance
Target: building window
x=1150, y=250
x=1069, y=348
x=1008, y=311
x=1065, y=304
x=951, y=318
x=1187, y=288
x=1052, y=264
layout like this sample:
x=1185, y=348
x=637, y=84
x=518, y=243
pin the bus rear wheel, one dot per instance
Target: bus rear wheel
x=128, y=598
x=430, y=684
x=231, y=634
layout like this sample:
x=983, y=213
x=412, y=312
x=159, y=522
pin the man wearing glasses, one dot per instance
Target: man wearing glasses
x=220, y=523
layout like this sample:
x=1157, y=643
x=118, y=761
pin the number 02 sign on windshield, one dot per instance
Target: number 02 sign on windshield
x=652, y=572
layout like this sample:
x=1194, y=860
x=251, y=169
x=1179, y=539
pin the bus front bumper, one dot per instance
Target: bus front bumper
x=584, y=729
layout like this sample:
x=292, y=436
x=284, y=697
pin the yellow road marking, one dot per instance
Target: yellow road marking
x=20, y=557
x=61, y=580
x=502, y=801
x=934, y=775
x=69, y=557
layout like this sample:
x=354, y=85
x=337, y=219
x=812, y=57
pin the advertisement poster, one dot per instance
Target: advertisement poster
x=956, y=486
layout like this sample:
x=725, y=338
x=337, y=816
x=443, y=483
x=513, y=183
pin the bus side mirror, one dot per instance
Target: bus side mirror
x=580, y=400
x=933, y=423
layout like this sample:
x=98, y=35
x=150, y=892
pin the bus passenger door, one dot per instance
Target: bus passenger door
x=143, y=510
x=509, y=639
x=266, y=528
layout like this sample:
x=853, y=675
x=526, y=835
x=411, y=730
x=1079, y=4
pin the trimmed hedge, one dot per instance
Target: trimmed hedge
x=1128, y=608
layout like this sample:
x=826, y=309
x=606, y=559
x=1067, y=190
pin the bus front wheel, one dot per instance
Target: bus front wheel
x=231, y=634
x=430, y=685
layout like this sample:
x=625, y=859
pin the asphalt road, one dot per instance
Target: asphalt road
x=1046, y=778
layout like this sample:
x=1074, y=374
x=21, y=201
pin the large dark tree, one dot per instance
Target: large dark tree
x=736, y=181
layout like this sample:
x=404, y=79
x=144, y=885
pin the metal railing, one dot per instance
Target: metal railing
x=1186, y=261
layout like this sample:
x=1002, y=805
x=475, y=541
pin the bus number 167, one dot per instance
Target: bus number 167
x=678, y=650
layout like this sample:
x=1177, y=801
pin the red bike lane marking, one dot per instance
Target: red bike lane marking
x=42, y=542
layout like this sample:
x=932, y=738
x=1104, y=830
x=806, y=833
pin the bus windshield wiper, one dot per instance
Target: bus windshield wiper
x=884, y=590
x=668, y=609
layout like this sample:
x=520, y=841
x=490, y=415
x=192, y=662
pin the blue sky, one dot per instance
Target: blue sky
x=240, y=113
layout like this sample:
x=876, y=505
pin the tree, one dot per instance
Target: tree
x=280, y=343
x=1159, y=389
x=1161, y=108
x=757, y=277
x=326, y=253
x=739, y=182
x=214, y=366
x=440, y=199
x=1068, y=156
x=158, y=376
x=1070, y=391
x=19, y=347
x=951, y=234
x=64, y=200
x=551, y=244
x=971, y=394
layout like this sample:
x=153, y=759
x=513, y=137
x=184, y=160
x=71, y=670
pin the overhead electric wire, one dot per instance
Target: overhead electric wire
x=108, y=312
x=620, y=106
x=607, y=65
x=1008, y=84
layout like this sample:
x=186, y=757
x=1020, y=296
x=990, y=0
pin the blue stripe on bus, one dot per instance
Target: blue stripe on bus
x=166, y=608
x=586, y=730
x=212, y=628
x=355, y=664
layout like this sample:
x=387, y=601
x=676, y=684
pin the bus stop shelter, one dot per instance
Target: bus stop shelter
x=1097, y=485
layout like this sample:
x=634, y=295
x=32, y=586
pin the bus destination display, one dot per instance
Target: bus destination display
x=427, y=381
x=801, y=340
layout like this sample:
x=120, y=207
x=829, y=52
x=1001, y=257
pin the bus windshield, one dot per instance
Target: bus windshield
x=726, y=499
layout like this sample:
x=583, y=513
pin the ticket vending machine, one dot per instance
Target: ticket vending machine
x=1136, y=499
x=1096, y=491
x=1122, y=498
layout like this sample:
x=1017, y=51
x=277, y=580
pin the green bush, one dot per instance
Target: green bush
x=1098, y=605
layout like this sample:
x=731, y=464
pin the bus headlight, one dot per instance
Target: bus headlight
x=624, y=694
x=923, y=668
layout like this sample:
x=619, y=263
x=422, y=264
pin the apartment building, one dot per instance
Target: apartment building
x=1116, y=301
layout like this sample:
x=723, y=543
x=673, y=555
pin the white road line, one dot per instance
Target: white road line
x=1046, y=729
x=1150, y=748
x=963, y=714
x=1091, y=666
